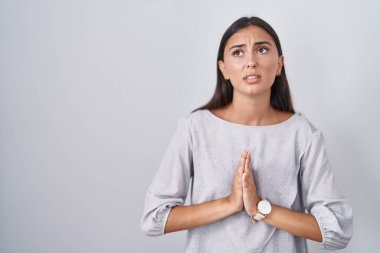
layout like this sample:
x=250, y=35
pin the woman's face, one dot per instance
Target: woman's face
x=251, y=61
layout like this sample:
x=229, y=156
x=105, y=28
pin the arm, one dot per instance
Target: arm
x=297, y=223
x=188, y=217
x=321, y=197
x=164, y=211
x=330, y=215
x=170, y=184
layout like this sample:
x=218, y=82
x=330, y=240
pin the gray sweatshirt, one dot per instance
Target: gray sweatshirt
x=291, y=169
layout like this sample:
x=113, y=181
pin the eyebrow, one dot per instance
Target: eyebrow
x=256, y=43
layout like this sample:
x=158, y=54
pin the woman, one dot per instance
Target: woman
x=256, y=165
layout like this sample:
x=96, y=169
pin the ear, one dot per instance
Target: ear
x=223, y=69
x=280, y=64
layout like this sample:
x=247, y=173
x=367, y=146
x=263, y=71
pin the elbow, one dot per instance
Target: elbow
x=150, y=228
x=338, y=239
x=335, y=242
x=154, y=219
x=150, y=231
x=336, y=229
x=153, y=223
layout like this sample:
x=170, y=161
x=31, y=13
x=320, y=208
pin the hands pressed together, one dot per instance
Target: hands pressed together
x=244, y=193
x=243, y=196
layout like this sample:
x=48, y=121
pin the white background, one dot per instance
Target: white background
x=90, y=93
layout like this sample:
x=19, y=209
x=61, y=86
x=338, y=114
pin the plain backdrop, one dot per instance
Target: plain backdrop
x=90, y=94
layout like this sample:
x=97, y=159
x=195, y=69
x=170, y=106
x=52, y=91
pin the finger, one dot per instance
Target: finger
x=242, y=163
x=249, y=164
x=247, y=168
x=244, y=180
x=239, y=169
x=239, y=182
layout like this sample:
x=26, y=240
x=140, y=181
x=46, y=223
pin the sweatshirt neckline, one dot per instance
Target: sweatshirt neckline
x=233, y=124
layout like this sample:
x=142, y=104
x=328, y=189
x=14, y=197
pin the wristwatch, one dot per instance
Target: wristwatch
x=263, y=209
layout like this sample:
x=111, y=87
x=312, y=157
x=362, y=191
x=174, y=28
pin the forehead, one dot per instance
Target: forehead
x=250, y=34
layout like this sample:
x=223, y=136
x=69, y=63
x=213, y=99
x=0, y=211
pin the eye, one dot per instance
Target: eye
x=237, y=52
x=263, y=50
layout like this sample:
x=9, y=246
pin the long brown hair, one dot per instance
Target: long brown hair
x=280, y=98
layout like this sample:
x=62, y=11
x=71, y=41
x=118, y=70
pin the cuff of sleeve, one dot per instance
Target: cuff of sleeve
x=161, y=217
x=153, y=224
x=332, y=238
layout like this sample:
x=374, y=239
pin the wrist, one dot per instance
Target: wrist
x=264, y=208
x=230, y=205
x=253, y=210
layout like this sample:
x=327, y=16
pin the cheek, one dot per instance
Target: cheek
x=270, y=65
x=234, y=66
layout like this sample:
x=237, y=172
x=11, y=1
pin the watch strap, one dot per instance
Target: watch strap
x=259, y=216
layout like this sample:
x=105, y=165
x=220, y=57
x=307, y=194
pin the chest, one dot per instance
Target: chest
x=216, y=156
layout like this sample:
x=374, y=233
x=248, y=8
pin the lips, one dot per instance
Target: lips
x=252, y=77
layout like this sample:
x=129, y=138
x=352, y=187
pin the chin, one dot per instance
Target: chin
x=257, y=90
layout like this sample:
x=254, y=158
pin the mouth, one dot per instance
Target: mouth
x=252, y=78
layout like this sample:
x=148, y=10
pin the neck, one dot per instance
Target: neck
x=251, y=111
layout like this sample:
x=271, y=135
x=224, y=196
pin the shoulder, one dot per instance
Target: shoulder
x=193, y=118
x=307, y=131
x=190, y=121
x=304, y=123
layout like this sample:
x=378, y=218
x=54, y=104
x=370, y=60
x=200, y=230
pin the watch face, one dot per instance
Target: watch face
x=264, y=207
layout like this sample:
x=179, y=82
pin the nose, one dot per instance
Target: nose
x=251, y=61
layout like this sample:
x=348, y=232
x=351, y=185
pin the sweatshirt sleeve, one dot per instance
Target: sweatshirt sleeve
x=332, y=211
x=171, y=181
